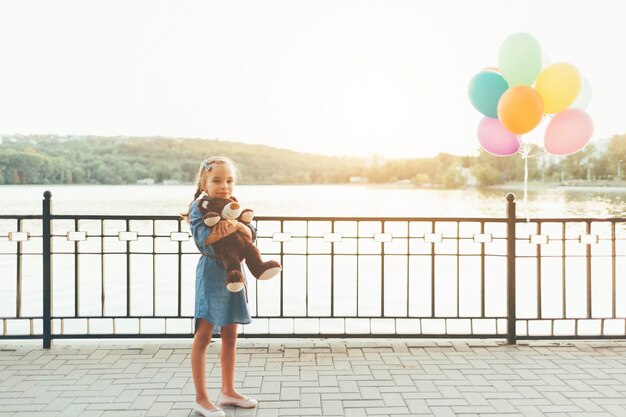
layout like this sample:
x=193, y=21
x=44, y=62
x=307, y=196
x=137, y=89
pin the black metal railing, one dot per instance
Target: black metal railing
x=108, y=276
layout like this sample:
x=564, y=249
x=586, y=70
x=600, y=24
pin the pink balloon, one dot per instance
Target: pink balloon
x=568, y=132
x=495, y=139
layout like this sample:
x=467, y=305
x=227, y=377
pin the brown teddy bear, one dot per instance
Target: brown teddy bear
x=238, y=246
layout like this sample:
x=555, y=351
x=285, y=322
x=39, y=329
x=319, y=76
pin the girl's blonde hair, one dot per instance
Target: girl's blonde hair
x=203, y=172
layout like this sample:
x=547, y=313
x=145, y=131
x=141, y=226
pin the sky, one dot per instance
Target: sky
x=334, y=77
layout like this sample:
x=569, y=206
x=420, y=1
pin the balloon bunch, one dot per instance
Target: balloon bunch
x=525, y=105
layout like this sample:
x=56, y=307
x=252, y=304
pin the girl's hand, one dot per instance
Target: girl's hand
x=243, y=228
x=224, y=228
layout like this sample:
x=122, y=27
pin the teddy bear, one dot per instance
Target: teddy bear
x=238, y=246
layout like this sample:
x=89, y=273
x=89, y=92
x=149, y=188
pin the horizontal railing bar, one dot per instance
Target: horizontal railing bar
x=286, y=335
x=519, y=239
x=278, y=253
x=114, y=217
x=325, y=218
x=21, y=336
x=568, y=256
x=572, y=219
x=295, y=236
x=319, y=335
x=522, y=318
x=494, y=255
x=450, y=238
x=285, y=218
x=571, y=337
x=303, y=254
x=545, y=319
x=315, y=253
x=341, y=317
x=22, y=254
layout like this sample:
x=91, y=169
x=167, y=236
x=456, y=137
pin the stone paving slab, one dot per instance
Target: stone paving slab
x=319, y=377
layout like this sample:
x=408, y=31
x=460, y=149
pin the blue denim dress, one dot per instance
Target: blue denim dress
x=214, y=303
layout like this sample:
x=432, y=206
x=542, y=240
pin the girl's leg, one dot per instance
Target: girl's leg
x=228, y=355
x=198, y=362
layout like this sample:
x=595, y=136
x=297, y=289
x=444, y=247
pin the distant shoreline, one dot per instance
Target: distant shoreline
x=567, y=186
x=513, y=186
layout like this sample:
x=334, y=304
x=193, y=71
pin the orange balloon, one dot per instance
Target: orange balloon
x=520, y=109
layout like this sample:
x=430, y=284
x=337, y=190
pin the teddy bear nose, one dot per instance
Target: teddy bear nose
x=234, y=206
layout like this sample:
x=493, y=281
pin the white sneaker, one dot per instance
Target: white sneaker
x=237, y=402
x=215, y=412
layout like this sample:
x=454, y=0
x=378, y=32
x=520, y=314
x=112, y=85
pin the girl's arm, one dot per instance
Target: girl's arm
x=222, y=229
x=246, y=229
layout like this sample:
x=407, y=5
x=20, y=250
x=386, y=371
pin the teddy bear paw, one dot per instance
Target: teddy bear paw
x=270, y=273
x=235, y=281
x=234, y=286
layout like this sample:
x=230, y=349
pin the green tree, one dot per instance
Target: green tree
x=122, y=160
x=486, y=175
x=616, y=155
x=577, y=165
x=509, y=168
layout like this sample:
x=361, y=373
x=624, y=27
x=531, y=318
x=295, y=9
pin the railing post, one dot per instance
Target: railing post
x=510, y=269
x=47, y=268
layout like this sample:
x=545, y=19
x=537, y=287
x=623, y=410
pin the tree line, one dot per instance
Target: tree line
x=125, y=160
x=50, y=159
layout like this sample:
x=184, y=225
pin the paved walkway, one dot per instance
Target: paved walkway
x=320, y=377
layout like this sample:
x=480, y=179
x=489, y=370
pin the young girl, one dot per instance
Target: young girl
x=217, y=309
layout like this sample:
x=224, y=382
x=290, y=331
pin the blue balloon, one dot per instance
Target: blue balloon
x=485, y=90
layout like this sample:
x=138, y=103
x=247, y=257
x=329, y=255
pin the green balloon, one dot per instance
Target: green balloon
x=520, y=59
x=485, y=90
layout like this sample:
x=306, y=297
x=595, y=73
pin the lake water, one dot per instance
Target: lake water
x=320, y=200
x=299, y=274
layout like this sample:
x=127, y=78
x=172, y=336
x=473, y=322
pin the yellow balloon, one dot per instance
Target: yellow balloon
x=558, y=85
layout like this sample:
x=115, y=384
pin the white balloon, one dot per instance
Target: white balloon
x=538, y=134
x=584, y=96
x=546, y=60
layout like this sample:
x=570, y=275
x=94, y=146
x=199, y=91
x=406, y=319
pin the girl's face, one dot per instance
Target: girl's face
x=220, y=181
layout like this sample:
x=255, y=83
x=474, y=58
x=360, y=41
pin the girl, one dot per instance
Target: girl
x=217, y=309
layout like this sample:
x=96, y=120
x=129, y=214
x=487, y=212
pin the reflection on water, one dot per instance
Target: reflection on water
x=320, y=200
x=608, y=203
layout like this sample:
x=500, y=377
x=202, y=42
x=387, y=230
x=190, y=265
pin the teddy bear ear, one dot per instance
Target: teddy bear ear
x=211, y=219
x=247, y=215
x=204, y=204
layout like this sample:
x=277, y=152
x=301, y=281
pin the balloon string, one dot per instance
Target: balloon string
x=525, y=153
x=526, y=188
